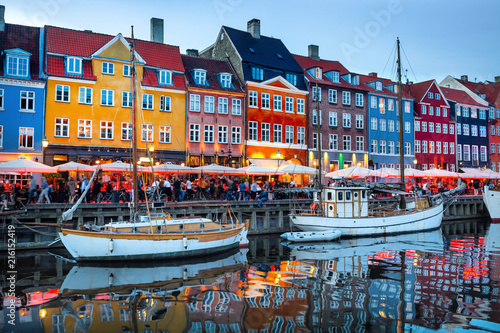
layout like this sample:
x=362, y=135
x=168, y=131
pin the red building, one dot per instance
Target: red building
x=435, y=143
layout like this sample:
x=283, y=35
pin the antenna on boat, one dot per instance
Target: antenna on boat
x=401, y=124
x=134, y=126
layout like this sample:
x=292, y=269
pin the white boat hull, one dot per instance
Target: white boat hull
x=428, y=219
x=492, y=202
x=312, y=236
x=92, y=246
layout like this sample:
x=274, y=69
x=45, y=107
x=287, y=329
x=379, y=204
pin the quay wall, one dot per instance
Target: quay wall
x=38, y=226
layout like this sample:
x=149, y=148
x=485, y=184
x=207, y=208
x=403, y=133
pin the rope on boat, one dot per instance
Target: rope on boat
x=34, y=230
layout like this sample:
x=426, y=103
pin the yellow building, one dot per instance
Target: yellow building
x=89, y=98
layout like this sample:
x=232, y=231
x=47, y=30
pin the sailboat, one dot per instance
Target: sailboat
x=151, y=235
x=346, y=209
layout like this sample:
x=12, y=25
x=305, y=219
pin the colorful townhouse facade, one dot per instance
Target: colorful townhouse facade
x=216, y=112
x=384, y=124
x=276, y=110
x=471, y=120
x=435, y=137
x=22, y=92
x=341, y=118
x=89, y=98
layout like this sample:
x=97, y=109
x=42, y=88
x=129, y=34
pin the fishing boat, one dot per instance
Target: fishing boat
x=491, y=200
x=347, y=208
x=311, y=236
x=149, y=234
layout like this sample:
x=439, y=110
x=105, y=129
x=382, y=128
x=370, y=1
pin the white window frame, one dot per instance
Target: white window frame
x=236, y=107
x=289, y=104
x=165, y=77
x=29, y=101
x=147, y=101
x=265, y=132
x=235, y=135
x=222, y=134
x=106, y=130
x=346, y=120
x=360, y=121
x=84, y=128
x=253, y=130
x=223, y=106
x=301, y=135
x=62, y=93
x=26, y=138
x=346, y=97
x=108, y=68
x=126, y=131
x=85, y=95
x=289, y=133
x=194, y=103
x=253, y=99
x=165, y=103
x=277, y=133
x=301, y=106
x=61, y=127
x=74, y=66
x=209, y=104
x=208, y=133
x=126, y=99
x=332, y=119
x=265, y=101
x=332, y=96
x=147, y=133
x=194, y=132
x=127, y=70
x=105, y=97
x=277, y=103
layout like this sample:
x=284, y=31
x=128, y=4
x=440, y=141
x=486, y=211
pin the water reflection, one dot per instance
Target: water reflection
x=400, y=283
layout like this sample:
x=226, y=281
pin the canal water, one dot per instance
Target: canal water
x=406, y=283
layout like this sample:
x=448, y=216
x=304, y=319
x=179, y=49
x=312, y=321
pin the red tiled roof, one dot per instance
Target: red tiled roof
x=24, y=38
x=458, y=96
x=55, y=66
x=150, y=78
x=491, y=90
x=365, y=79
x=213, y=67
x=85, y=43
x=417, y=90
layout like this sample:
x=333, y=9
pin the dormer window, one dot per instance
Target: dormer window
x=378, y=86
x=318, y=73
x=17, y=62
x=200, y=77
x=292, y=78
x=333, y=76
x=225, y=80
x=165, y=77
x=352, y=79
x=74, y=65
x=258, y=74
x=108, y=68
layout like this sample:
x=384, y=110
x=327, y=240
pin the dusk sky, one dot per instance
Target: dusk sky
x=439, y=38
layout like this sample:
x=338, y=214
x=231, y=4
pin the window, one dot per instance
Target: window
x=289, y=134
x=225, y=80
x=452, y=148
x=332, y=96
x=253, y=99
x=73, y=65
x=407, y=107
x=194, y=103
x=482, y=114
x=126, y=131
x=126, y=99
x=200, y=77
x=466, y=152
x=223, y=105
x=265, y=129
x=492, y=112
x=332, y=118
x=424, y=109
x=126, y=70
x=492, y=129
x=17, y=66
x=316, y=94
x=209, y=104
x=346, y=142
x=62, y=93
x=278, y=105
x=266, y=101
x=452, y=129
x=194, y=132
x=292, y=78
x=465, y=129
x=407, y=127
x=431, y=127
x=147, y=133
x=208, y=133
x=373, y=123
x=431, y=110
x=383, y=147
x=346, y=97
x=473, y=129
x=147, y=102
x=346, y=120
x=430, y=95
x=277, y=133
x=465, y=111
x=425, y=146
x=373, y=102
x=257, y=74
x=484, y=154
x=360, y=143
x=85, y=128
x=431, y=147
x=417, y=126
x=288, y=104
x=301, y=109
x=390, y=148
x=360, y=121
x=459, y=129
x=85, y=95
x=1, y=99
x=381, y=105
x=475, y=153
x=61, y=127
x=26, y=137
x=222, y=134
x=107, y=97
x=236, y=135
x=27, y=101
x=390, y=125
x=165, y=77
x=417, y=146
x=390, y=105
x=106, y=130
x=424, y=126
x=374, y=147
x=445, y=147
x=165, y=103
x=252, y=131
x=383, y=125
x=473, y=113
x=315, y=118
x=359, y=99
x=492, y=148
x=445, y=128
x=301, y=135
x=498, y=149
x=459, y=151
x=445, y=112
x=315, y=140
x=438, y=147
x=438, y=128
x=333, y=142
x=108, y=68
x=236, y=106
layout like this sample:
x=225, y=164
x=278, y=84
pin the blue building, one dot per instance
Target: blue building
x=22, y=92
x=384, y=126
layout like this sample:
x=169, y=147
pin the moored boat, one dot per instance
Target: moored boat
x=313, y=236
x=491, y=200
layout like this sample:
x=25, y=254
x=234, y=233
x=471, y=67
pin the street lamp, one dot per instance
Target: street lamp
x=151, y=148
x=45, y=144
x=278, y=154
x=414, y=163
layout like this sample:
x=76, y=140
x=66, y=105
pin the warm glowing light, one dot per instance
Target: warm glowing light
x=45, y=142
x=151, y=147
x=42, y=313
x=278, y=154
x=183, y=164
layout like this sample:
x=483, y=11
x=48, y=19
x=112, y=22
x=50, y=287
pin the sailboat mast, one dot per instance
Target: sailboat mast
x=134, y=126
x=318, y=140
x=401, y=125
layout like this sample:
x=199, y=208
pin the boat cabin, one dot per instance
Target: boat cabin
x=344, y=201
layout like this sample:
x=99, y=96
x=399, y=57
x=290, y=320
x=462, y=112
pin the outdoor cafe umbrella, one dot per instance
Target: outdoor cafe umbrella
x=22, y=165
x=440, y=173
x=172, y=168
x=120, y=166
x=299, y=169
x=75, y=166
x=256, y=170
x=410, y=173
x=479, y=174
x=385, y=173
x=351, y=172
x=215, y=169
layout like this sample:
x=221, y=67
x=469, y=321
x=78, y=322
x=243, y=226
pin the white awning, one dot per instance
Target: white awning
x=271, y=163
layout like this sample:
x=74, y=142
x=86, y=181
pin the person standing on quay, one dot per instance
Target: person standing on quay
x=253, y=190
x=45, y=191
x=71, y=186
x=33, y=190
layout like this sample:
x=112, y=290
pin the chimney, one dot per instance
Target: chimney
x=157, y=30
x=2, y=18
x=373, y=74
x=253, y=27
x=464, y=78
x=192, y=52
x=497, y=78
x=313, y=51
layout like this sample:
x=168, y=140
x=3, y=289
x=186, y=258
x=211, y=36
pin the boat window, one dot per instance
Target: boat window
x=158, y=227
x=202, y=226
x=340, y=195
x=363, y=194
x=355, y=195
x=348, y=195
x=329, y=196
